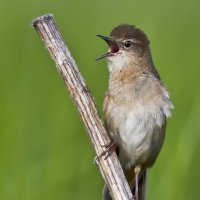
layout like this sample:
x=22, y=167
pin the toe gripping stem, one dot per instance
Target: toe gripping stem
x=110, y=148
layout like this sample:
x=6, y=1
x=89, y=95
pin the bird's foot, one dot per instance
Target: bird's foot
x=110, y=148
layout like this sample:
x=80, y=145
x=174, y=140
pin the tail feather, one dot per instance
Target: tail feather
x=142, y=188
x=106, y=193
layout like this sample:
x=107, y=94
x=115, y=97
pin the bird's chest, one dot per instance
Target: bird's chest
x=131, y=124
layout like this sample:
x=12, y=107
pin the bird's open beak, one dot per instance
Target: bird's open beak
x=107, y=39
x=113, y=47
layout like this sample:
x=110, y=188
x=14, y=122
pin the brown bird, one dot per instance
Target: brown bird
x=136, y=105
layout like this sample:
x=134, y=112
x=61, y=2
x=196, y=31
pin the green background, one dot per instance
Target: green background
x=44, y=150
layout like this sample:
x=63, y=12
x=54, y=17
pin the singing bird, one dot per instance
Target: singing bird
x=136, y=105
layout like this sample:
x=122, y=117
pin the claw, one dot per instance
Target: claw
x=110, y=148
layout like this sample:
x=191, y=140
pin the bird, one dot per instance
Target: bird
x=136, y=105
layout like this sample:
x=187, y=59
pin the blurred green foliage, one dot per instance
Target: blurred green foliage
x=44, y=150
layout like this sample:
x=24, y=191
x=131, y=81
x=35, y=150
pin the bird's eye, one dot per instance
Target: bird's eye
x=128, y=44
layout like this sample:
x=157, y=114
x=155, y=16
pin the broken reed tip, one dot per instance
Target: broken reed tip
x=41, y=18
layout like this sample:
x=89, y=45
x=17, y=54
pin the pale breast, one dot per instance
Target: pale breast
x=135, y=117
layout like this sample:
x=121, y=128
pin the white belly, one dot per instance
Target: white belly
x=136, y=131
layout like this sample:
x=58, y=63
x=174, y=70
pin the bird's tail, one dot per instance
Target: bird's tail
x=141, y=187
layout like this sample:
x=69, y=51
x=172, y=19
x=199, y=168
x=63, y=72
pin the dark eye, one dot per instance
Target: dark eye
x=128, y=44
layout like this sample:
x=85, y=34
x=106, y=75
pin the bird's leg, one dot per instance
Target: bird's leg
x=137, y=172
x=110, y=148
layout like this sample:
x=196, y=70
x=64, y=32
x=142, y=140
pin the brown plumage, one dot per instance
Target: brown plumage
x=126, y=31
x=136, y=105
